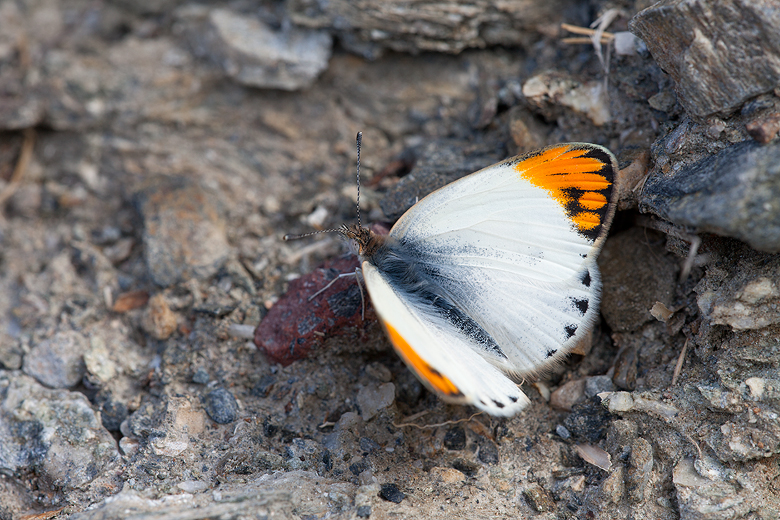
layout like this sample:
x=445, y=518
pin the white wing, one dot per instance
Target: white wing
x=442, y=358
x=514, y=248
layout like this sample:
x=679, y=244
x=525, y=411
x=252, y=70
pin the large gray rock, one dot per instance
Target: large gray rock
x=720, y=54
x=54, y=433
x=254, y=54
x=735, y=193
x=370, y=27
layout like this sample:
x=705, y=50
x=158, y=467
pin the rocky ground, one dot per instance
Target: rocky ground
x=153, y=154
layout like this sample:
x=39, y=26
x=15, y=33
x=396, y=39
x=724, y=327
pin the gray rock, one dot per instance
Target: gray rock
x=701, y=498
x=639, y=469
x=343, y=441
x=280, y=495
x=10, y=353
x=254, y=54
x=748, y=299
x=221, y=406
x=55, y=433
x=613, y=487
x=686, y=38
x=201, y=376
x=58, y=362
x=184, y=234
x=735, y=193
x=374, y=26
x=596, y=384
x=373, y=399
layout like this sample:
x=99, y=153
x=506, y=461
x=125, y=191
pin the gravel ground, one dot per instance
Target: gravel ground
x=153, y=154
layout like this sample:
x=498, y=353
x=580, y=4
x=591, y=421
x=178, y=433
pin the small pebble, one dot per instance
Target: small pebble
x=379, y=372
x=597, y=384
x=192, y=486
x=391, y=493
x=264, y=386
x=620, y=402
x=366, y=477
x=221, y=406
x=626, y=369
x=466, y=467
x=112, y=414
x=201, y=376
x=539, y=498
x=764, y=129
x=364, y=511
x=359, y=467
x=129, y=445
x=368, y=445
x=373, y=399
x=58, y=362
x=562, y=432
x=447, y=475
x=455, y=438
x=588, y=420
x=566, y=396
x=161, y=321
x=488, y=453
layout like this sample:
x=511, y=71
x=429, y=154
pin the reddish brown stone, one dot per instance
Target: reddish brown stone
x=764, y=129
x=130, y=300
x=294, y=326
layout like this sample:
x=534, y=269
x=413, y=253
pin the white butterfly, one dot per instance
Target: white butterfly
x=494, y=276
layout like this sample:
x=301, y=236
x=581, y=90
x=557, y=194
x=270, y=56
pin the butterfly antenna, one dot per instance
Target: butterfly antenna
x=287, y=238
x=359, y=141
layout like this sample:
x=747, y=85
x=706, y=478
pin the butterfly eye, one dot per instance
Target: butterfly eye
x=354, y=246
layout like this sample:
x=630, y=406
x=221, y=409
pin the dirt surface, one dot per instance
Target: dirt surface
x=153, y=155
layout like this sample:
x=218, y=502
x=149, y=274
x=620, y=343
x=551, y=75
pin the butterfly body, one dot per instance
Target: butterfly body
x=494, y=276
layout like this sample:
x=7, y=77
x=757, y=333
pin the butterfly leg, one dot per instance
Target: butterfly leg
x=358, y=277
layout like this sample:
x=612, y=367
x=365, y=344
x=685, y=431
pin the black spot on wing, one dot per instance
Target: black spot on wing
x=586, y=279
x=498, y=403
x=550, y=353
x=580, y=304
x=512, y=398
x=570, y=330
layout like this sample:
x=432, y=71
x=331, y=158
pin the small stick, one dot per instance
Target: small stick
x=21, y=165
x=431, y=426
x=585, y=31
x=680, y=360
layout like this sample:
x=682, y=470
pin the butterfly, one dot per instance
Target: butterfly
x=494, y=277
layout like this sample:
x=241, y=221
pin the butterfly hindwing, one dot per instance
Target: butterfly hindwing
x=440, y=356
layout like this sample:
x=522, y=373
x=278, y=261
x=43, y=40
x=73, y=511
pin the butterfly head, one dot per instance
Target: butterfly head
x=362, y=241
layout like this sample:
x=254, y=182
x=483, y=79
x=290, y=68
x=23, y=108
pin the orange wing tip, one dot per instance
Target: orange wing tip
x=429, y=375
x=580, y=183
